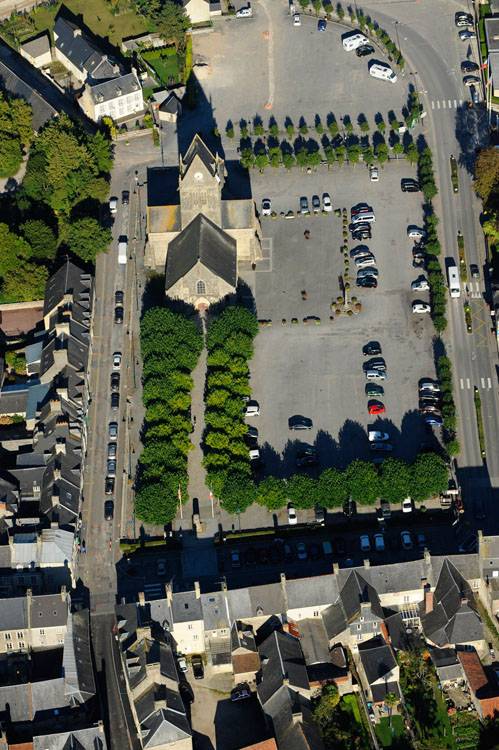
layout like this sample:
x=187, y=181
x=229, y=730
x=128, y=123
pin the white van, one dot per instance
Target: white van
x=122, y=250
x=383, y=71
x=353, y=39
x=252, y=409
x=454, y=285
x=113, y=205
x=376, y=375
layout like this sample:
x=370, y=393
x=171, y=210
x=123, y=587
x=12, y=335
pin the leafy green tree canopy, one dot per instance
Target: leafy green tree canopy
x=86, y=238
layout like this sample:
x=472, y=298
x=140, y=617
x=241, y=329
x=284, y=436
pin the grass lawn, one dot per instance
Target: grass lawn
x=165, y=66
x=387, y=734
x=96, y=15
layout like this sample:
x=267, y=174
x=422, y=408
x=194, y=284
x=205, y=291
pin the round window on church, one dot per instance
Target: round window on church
x=201, y=287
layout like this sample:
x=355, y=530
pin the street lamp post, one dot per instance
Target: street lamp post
x=396, y=24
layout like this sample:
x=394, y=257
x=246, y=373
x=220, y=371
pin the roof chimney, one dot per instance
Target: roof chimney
x=169, y=595
x=367, y=563
x=336, y=568
x=142, y=598
x=365, y=608
x=197, y=589
x=63, y=593
x=428, y=600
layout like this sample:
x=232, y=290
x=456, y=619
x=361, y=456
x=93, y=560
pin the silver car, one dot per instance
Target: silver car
x=362, y=261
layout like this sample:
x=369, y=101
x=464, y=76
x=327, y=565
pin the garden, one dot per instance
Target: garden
x=166, y=63
x=339, y=721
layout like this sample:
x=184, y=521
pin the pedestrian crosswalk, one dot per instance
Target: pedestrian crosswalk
x=473, y=290
x=466, y=385
x=446, y=103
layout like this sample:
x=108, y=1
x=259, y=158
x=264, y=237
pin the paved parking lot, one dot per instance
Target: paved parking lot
x=299, y=71
x=316, y=370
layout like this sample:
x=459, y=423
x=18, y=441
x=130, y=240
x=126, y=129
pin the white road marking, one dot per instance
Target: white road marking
x=438, y=105
x=461, y=383
x=482, y=381
x=450, y=104
x=433, y=105
x=489, y=383
x=468, y=384
x=443, y=104
x=460, y=102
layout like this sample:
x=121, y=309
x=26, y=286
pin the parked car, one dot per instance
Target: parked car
x=111, y=450
x=350, y=508
x=414, y=232
x=365, y=543
x=371, y=349
x=113, y=430
x=115, y=401
x=373, y=173
x=376, y=375
x=109, y=485
x=307, y=457
x=429, y=385
x=320, y=515
x=111, y=467
x=474, y=271
x=374, y=390
x=406, y=540
x=116, y=360
x=475, y=95
x=420, y=284
x=407, y=505
x=376, y=363
x=301, y=551
x=381, y=447
x=321, y=24
x=433, y=420
x=182, y=663
x=240, y=692
x=326, y=203
x=471, y=80
x=421, y=307
x=376, y=407
x=370, y=271
x=109, y=510
x=125, y=197
x=251, y=409
x=119, y=297
x=296, y=19
x=316, y=204
x=461, y=18
x=235, y=558
x=113, y=205
x=362, y=232
x=409, y=185
x=299, y=422
x=118, y=314
x=292, y=517
x=367, y=282
x=468, y=66
x=379, y=542
x=266, y=207
x=466, y=34
x=421, y=541
x=365, y=261
x=115, y=381
x=375, y=436
x=244, y=12
x=304, y=209
x=364, y=50
x=197, y=667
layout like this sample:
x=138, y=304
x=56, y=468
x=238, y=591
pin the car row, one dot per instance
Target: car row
x=362, y=218
x=430, y=401
x=377, y=542
x=279, y=551
x=317, y=206
x=374, y=369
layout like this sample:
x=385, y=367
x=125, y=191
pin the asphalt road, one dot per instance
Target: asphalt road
x=433, y=55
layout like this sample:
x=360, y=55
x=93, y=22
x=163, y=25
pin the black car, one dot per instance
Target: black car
x=377, y=363
x=109, y=485
x=339, y=546
x=364, y=50
x=474, y=271
x=125, y=197
x=115, y=401
x=119, y=297
x=468, y=66
x=300, y=423
x=197, y=667
x=463, y=19
x=350, y=508
x=478, y=509
x=409, y=185
x=367, y=282
x=115, y=381
x=361, y=232
x=314, y=551
x=118, y=314
x=109, y=510
x=371, y=349
x=419, y=261
x=307, y=457
x=250, y=556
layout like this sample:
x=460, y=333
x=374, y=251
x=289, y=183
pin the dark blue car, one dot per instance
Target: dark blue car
x=321, y=24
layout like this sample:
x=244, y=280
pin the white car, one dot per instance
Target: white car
x=266, y=207
x=407, y=505
x=379, y=542
x=116, y=360
x=365, y=260
x=113, y=205
x=292, y=517
x=182, y=663
x=377, y=437
x=254, y=454
x=252, y=409
x=296, y=19
x=406, y=540
x=365, y=544
x=326, y=203
x=429, y=385
x=466, y=34
x=244, y=13
x=374, y=173
x=421, y=307
x=415, y=233
x=420, y=285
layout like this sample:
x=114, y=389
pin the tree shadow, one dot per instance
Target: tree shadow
x=472, y=133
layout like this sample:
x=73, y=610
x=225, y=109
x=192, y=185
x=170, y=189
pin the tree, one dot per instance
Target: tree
x=20, y=279
x=362, y=482
x=390, y=701
x=411, y=153
x=490, y=228
x=304, y=4
x=100, y=148
x=326, y=704
x=86, y=238
x=41, y=238
x=172, y=22
x=261, y=161
x=302, y=491
x=429, y=476
x=157, y=502
x=486, y=172
x=238, y=493
x=332, y=489
x=10, y=155
x=381, y=152
x=271, y=493
x=395, y=480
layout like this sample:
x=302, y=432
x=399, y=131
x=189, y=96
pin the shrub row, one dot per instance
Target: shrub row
x=438, y=288
x=426, y=175
x=226, y=454
x=170, y=345
x=444, y=374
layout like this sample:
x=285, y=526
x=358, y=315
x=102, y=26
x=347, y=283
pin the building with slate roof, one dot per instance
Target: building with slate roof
x=378, y=669
x=37, y=51
x=33, y=623
x=120, y=98
x=244, y=652
x=197, y=229
x=79, y=54
x=447, y=666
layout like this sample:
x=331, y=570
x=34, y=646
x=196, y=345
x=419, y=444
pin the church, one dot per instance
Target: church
x=198, y=232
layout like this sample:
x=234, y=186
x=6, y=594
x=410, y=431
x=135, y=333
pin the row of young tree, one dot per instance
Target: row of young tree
x=226, y=454
x=449, y=413
x=56, y=210
x=170, y=346
x=16, y=133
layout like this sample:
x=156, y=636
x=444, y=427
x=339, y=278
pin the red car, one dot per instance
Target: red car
x=376, y=408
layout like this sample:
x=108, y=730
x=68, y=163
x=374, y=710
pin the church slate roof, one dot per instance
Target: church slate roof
x=201, y=241
x=199, y=148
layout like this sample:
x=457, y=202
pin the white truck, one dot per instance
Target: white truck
x=382, y=71
x=122, y=250
x=453, y=276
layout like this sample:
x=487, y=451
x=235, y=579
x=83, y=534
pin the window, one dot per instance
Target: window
x=316, y=613
x=359, y=636
x=407, y=599
x=8, y=637
x=20, y=634
x=189, y=627
x=9, y=646
x=201, y=287
x=42, y=631
x=21, y=644
x=194, y=637
x=359, y=627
